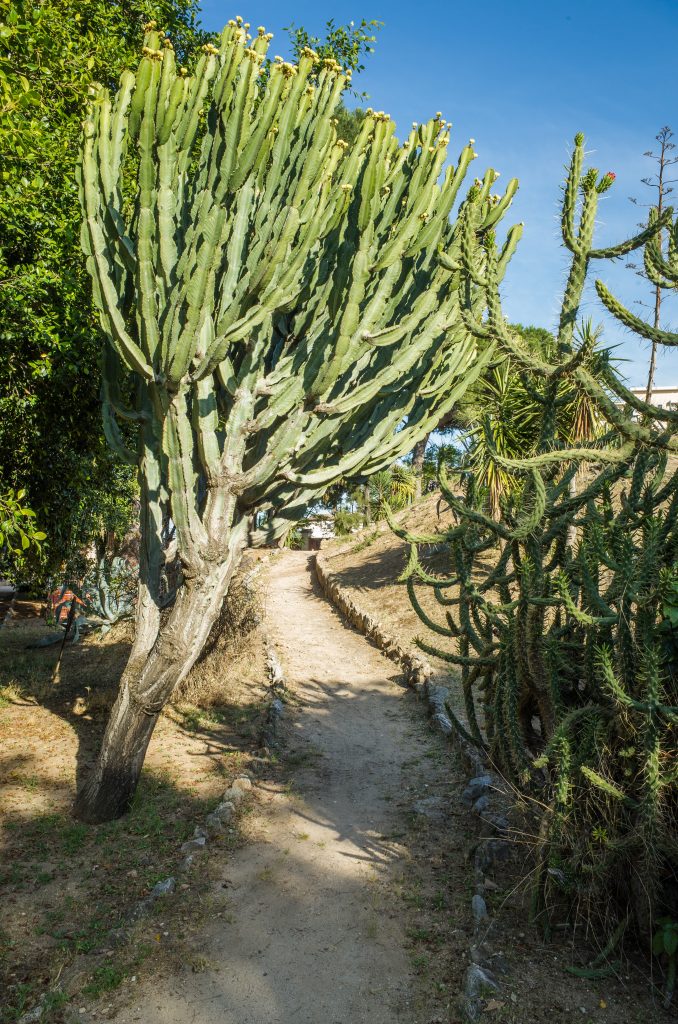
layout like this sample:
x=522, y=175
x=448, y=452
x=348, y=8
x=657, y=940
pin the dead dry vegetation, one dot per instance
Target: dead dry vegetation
x=68, y=889
x=536, y=986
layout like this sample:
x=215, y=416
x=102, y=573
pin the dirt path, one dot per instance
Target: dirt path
x=312, y=930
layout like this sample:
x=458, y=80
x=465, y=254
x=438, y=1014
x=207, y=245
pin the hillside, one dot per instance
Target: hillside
x=369, y=564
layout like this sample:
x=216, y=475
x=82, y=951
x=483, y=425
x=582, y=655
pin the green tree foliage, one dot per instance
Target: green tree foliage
x=347, y=44
x=395, y=486
x=51, y=442
x=18, y=532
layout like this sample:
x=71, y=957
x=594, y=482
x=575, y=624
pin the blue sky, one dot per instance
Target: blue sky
x=522, y=78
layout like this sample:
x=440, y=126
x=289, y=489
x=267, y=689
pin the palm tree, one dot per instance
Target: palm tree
x=504, y=412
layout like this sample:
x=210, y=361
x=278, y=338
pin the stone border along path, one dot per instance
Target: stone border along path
x=309, y=925
x=485, y=794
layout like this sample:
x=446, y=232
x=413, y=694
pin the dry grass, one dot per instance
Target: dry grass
x=66, y=886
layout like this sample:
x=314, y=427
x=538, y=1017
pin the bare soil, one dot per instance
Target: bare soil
x=342, y=896
x=67, y=888
x=536, y=986
x=338, y=908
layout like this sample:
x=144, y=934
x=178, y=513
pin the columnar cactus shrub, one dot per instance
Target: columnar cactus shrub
x=566, y=646
x=279, y=309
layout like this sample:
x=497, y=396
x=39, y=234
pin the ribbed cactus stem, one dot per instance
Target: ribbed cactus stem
x=276, y=309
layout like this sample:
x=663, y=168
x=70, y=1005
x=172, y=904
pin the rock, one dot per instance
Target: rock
x=164, y=888
x=142, y=909
x=32, y=1015
x=242, y=782
x=442, y=723
x=225, y=810
x=432, y=807
x=480, y=953
x=499, y=963
x=232, y=796
x=117, y=937
x=437, y=698
x=215, y=824
x=275, y=671
x=479, y=909
x=194, y=845
x=498, y=822
x=199, y=833
x=479, y=985
x=482, y=804
x=476, y=788
x=492, y=852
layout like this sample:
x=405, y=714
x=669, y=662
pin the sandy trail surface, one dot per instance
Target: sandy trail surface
x=313, y=932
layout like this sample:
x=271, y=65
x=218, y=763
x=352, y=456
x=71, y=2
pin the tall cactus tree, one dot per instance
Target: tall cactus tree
x=275, y=302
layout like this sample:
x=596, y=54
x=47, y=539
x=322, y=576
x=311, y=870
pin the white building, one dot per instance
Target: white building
x=663, y=398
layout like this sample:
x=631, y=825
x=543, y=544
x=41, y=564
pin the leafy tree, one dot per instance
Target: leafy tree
x=51, y=441
x=18, y=531
x=395, y=486
x=347, y=44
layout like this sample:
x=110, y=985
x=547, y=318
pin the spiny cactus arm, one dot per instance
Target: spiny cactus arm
x=635, y=432
x=377, y=444
x=642, y=238
x=532, y=517
x=499, y=207
x=178, y=444
x=562, y=585
x=111, y=405
x=486, y=659
x=101, y=264
x=633, y=322
x=591, y=590
x=434, y=626
x=609, y=678
x=466, y=513
x=498, y=575
x=570, y=195
x=574, y=287
x=412, y=539
x=628, y=397
x=606, y=455
x=605, y=786
x=566, y=728
x=461, y=728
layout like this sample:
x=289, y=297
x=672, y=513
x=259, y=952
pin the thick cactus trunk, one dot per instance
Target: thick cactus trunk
x=146, y=687
x=418, y=456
